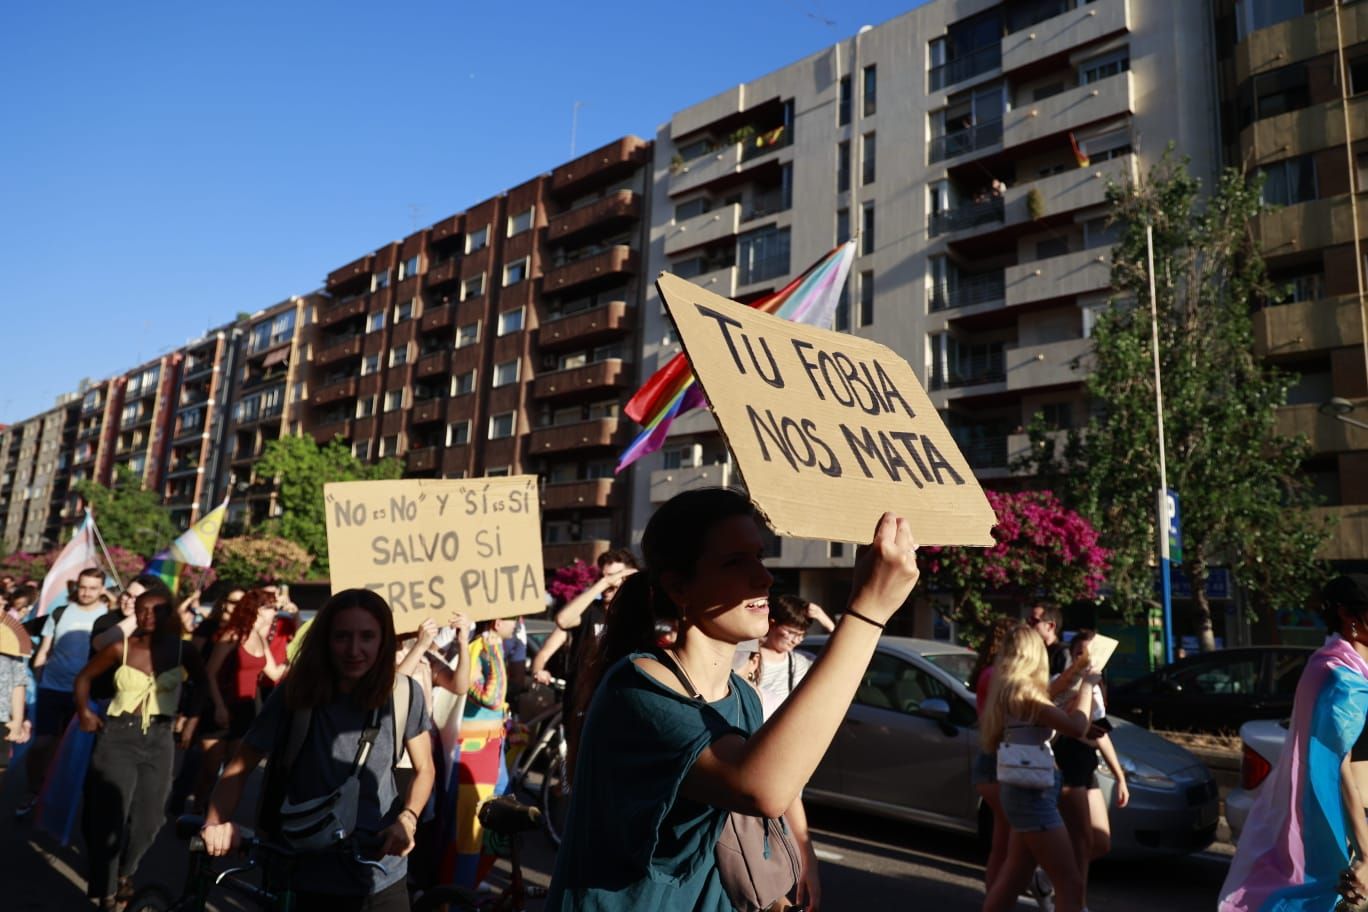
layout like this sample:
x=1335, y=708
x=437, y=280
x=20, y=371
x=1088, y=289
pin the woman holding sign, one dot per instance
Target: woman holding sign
x=672, y=753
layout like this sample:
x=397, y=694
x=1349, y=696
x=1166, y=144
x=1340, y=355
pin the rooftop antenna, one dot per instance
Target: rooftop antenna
x=574, y=124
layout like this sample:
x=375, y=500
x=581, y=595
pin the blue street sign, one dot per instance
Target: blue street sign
x=1175, y=529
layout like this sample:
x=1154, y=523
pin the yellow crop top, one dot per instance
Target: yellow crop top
x=137, y=691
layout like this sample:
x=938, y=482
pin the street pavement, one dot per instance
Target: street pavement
x=867, y=863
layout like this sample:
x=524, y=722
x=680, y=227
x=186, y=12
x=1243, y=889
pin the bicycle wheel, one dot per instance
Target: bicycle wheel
x=151, y=899
x=555, y=798
x=446, y=899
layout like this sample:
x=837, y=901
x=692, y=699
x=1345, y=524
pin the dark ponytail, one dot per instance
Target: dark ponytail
x=672, y=543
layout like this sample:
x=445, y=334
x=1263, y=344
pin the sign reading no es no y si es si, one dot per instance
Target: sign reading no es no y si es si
x=432, y=547
x=828, y=430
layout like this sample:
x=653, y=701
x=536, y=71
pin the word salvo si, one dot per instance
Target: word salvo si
x=828, y=430
x=434, y=546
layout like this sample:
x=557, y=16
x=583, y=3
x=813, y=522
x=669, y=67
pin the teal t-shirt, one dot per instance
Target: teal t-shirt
x=631, y=843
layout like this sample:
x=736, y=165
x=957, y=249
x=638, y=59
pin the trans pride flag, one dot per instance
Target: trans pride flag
x=194, y=548
x=811, y=298
x=1295, y=844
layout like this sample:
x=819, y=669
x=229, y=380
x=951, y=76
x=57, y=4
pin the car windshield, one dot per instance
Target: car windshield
x=959, y=664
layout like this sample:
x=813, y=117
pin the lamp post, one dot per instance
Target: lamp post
x=1163, y=514
x=1339, y=409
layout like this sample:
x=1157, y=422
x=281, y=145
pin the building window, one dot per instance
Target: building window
x=843, y=103
x=521, y=222
x=506, y=373
x=394, y=400
x=370, y=364
x=866, y=298
x=842, y=166
x=692, y=208
x=389, y=446
x=867, y=159
x=1100, y=68
x=458, y=433
x=1252, y=15
x=1270, y=94
x=510, y=321
x=365, y=406
x=867, y=229
x=515, y=272
x=361, y=450
x=1290, y=181
x=842, y=225
x=763, y=255
x=468, y=334
x=497, y=472
x=871, y=89
x=282, y=329
x=461, y=384
x=399, y=355
x=375, y=321
x=380, y=280
x=501, y=426
x=408, y=268
x=477, y=240
x=403, y=312
x=1358, y=75
x=472, y=287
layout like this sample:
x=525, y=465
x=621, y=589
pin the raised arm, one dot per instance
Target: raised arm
x=115, y=634
x=568, y=618
x=549, y=648
x=766, y=773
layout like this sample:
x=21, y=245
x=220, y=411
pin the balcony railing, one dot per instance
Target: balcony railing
x=970, y=290
x=766, y=141
x=979, y=136
x=985, y=452
x=970, y=65
x=977, y=371
x=972, y=215
x=762, y=269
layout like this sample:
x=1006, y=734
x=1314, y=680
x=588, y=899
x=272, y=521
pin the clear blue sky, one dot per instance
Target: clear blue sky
x=166, y=165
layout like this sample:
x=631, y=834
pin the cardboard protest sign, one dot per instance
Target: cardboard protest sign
x=434, y=546
x=828, y=430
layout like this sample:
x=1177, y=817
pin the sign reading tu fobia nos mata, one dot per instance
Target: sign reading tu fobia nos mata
x=433, y=546
x=828, y=430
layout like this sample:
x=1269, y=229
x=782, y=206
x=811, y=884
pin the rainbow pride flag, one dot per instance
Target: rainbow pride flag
x=810, y=298
x=194, y=548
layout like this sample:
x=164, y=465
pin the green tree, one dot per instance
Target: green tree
x=1244, y=501
x=128, y=515
x=301, y=467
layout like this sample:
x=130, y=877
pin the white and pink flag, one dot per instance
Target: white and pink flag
x=81, y=552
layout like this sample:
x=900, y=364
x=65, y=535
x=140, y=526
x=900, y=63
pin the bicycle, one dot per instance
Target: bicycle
x=276, y=863
x=553, y=796
x=506, y=818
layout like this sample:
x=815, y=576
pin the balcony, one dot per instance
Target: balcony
x=424, y=459
x=603, y=375
x=1306, y=326
x=336, y=313
x=193, y=395
x=331, y=351
x=1306, y=226
x=716, y=225
x=1349, y=537
x=980, y=288
x=984, y=453
x=1063, y=33
x=1325, y=434
x=622, y=206
x=444, y=273
x=601, y=432
x=1059, y=277
x=335, y=391
x=559, y=555
x=1299, y=38
x=666, y=483
x=1301, y=132
x=971, y=139
x=586, y=326
x=196, y=368
x=978, y=371
x=1067, y=191
x=429, y=411
x=718, y=281
x=330, y=429
x=1049, y=364
x=984, y=60
x=968, y=215
x=434, y=364
x=727, y=161
x=603, y=164
x=616, y=260
x=578, y=495
x=1069, y=110
x=440, y=316
x=350, y=273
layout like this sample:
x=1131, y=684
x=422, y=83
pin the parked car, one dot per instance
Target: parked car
x=910, y=736
x=1261, y=745
x=1215, y=691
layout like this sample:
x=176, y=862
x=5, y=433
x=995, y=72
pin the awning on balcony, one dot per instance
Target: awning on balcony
x=279, y=356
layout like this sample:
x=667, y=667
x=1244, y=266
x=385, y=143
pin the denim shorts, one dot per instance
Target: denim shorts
x=985, y=768
x=1031, y=810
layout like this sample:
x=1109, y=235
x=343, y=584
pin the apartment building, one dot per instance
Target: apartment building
x=193, y=482
x=146, y=410
x=97, y=428
x=35, y=474
x=969, y=145
x=1294, y=83
x=499, y=341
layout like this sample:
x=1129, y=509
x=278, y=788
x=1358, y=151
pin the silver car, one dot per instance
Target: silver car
x=909, y=739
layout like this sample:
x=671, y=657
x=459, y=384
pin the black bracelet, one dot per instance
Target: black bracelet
x=867, y=620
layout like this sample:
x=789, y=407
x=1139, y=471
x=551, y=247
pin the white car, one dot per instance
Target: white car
x=1261, y=746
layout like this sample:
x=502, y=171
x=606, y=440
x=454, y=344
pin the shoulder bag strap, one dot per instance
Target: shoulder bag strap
x=790, y=664
x=368, y=736
x=669, y=662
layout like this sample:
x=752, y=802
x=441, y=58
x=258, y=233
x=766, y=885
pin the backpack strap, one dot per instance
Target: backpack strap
x=299, y=730
x=403, y=693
